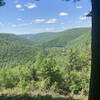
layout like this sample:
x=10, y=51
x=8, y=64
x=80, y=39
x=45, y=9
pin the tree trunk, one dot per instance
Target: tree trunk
x=94, y=93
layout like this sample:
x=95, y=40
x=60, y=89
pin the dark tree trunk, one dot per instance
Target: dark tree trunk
x=94, y=93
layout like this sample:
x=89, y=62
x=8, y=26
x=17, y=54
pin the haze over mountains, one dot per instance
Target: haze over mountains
x=58, y=62
x=61, y=39
x=24, y=48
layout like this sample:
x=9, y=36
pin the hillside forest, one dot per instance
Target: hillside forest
x=45, y=66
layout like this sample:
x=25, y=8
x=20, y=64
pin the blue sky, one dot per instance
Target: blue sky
x=30, y=16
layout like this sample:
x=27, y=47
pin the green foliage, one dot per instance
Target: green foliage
x=48, y=71
x=19, y=76
x=63, y=68
x=15, y=39
x=45, y=74
x=40, y=37
x=78, y=69
x=69, y=38
x=13, y=54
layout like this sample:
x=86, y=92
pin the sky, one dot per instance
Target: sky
x=31, y=17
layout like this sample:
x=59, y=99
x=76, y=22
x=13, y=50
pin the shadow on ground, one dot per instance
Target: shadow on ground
x=28, y=97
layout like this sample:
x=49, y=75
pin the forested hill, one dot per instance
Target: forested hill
x=16, y=53
x=69, y=38
x=72, y=37
x=18, y=50
x=40, y=37
x=15, y=39
x=46, y=65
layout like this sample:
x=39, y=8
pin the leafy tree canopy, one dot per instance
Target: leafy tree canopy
x=2, y=3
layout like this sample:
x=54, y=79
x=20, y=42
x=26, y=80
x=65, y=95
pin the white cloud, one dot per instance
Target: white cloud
x=30, y=5
x=18, y=6
x=62, y=23
x=50, y=21
x=25, y=24
x=38, y=20
x=20, y=25
x=19, y=19
x=21, y=9
x=83, y=18
x=85, y=14
x=63, y=14
x=79, y=7
x=14, y=25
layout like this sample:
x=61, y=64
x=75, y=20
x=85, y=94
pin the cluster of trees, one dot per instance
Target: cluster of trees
x=14, y=53
x=26, y=67
x=47, y=74
x=18, y=50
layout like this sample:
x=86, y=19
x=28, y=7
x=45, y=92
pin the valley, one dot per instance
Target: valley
x=51, y=61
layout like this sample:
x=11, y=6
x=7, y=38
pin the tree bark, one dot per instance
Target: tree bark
x=94, y=93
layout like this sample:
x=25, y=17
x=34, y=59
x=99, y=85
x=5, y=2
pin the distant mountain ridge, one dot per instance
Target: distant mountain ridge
x=40, y=37
x=15, y=50
x=52, y=39
x=69, y=38
x=15, y=38
x=19, y=49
